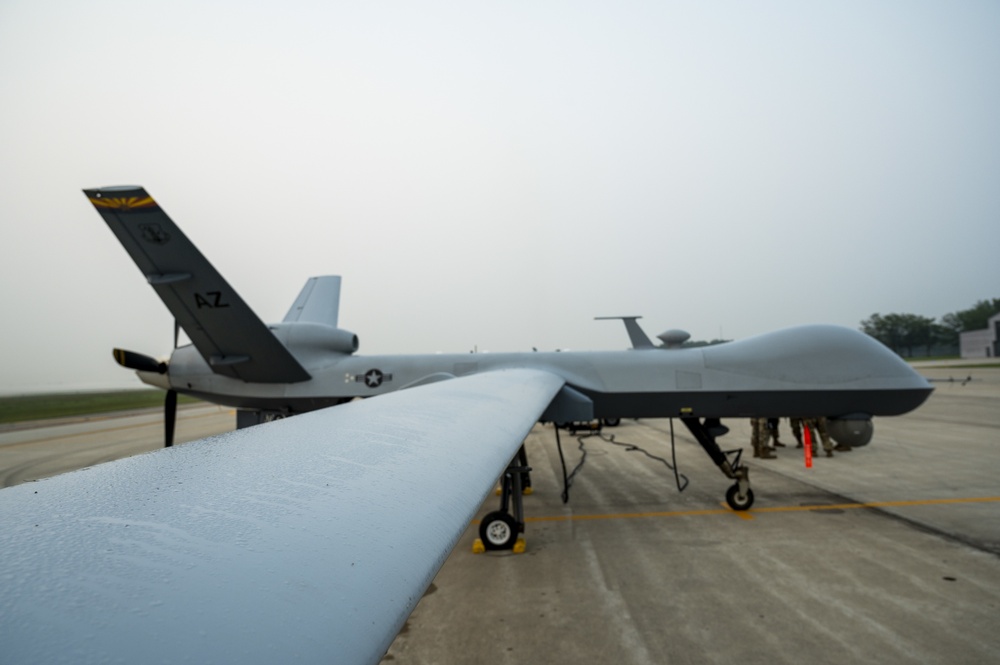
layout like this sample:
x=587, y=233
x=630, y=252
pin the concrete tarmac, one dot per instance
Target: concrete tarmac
x=39, y=449
x=889, y=552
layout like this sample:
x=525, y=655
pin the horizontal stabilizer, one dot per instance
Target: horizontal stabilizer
x=226, y=332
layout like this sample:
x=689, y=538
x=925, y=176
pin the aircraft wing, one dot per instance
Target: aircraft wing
x=230, y=337
x=308, y=539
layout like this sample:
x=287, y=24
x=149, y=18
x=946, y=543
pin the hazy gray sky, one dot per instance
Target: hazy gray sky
x=497, y=174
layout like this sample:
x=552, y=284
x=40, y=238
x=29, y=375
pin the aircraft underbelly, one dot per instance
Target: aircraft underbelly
x=755, y=403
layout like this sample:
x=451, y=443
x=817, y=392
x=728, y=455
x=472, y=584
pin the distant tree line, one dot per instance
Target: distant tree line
x=903, y=333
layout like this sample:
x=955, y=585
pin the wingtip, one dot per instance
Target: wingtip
x=120, y=197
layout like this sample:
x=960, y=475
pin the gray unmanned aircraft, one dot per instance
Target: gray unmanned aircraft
x=316, y=535
x=307, y=362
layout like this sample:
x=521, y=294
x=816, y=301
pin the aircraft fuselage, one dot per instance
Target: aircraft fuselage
x=815, y=370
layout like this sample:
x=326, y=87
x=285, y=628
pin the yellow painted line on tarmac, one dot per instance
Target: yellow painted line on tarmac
x=749, y=514
x=629, y=516
x=880, y=504
x=742, y=514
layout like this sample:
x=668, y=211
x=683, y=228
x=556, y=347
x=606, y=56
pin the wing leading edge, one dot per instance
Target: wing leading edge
x=309, y=539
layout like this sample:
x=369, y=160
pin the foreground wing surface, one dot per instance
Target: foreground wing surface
x=230, y=337
x=305, y=540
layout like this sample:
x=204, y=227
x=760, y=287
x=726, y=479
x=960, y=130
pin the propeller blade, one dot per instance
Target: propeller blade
x=139, y=362
x=169, y=417
x=177, y=332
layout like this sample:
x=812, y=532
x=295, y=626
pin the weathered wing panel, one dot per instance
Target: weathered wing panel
x=229, y=336
x=309, y=539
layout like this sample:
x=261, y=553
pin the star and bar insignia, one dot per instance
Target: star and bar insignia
x=373, y=378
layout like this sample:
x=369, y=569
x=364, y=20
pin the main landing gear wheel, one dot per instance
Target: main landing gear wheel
x=498, y=531
x=735, y=501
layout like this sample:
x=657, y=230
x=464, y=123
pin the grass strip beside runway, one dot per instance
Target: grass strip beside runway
x=19, y=408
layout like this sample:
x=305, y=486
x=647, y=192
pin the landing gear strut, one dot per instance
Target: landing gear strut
x=500, y=529
x=739, y=496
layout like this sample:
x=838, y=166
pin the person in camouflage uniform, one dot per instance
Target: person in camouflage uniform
x=772, y=431
x=759, y=437
x=815, y=425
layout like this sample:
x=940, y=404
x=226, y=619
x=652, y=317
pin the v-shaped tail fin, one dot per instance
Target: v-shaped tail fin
x=227, y=333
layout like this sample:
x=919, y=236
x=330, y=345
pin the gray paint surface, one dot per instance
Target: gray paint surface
x=833, y=586
x=318, y=302
x=802, y=371
x=230, y=336
x=297, y=561
x=306, y=362
x=304, y=540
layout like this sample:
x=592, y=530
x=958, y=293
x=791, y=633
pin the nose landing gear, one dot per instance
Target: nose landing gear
x=739, y=496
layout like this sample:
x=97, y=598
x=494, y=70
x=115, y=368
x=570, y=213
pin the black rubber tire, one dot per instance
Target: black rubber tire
x=612, y=422
x=732, y=498
x=498, y=531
